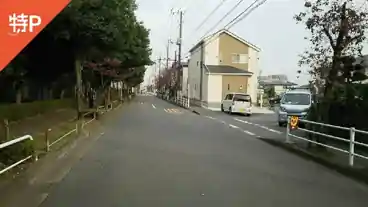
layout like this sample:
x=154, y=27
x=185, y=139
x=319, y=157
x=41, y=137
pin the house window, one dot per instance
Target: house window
x=239, y=58
x=228, y=86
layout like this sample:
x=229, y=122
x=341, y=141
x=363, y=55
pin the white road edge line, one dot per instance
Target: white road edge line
x=249, y=133
x=258, y=125
x=153, y=106
x=233, y=126
x=210, y=117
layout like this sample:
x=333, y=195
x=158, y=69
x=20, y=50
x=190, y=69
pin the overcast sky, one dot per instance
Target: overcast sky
x=271, y=27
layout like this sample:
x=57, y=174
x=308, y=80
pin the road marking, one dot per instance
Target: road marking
x=233, y=126
x=62, y=155
x=246, y=122
x=173, y=111
x=153, y=106
x=249, y=133
x=258, y=125
x=210, y=117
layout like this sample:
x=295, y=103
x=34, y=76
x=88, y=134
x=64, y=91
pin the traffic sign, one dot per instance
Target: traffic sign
x=294, y=120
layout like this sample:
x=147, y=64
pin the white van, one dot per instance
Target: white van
x=237, y=103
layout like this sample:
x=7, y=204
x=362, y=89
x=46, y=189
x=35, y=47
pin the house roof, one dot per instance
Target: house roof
x=277, y=83
x=226, y=69
x=218, y=33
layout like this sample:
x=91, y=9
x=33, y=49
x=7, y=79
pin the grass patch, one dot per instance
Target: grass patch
x=15, y=112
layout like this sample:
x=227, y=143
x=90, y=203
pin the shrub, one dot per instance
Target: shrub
x=16, y=152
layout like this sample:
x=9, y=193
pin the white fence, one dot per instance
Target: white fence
x=78, y=127
x=13, y=142
x=351, y=141
x=182, y=101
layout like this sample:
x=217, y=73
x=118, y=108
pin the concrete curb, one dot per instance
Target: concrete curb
x=360, y=175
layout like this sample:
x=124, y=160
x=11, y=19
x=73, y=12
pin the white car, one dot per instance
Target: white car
x=237, y=103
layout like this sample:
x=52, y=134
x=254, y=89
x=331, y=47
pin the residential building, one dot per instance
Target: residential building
x=221, y=63
x=279, y=83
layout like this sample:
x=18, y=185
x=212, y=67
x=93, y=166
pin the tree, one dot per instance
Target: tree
x=100, y=31
x=337, y=29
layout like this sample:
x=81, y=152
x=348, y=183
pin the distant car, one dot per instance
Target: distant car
x=237, y=103
x=294, y=103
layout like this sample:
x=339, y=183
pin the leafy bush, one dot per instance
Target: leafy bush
x=14, y=112
x=16, y=152
x=349, y=109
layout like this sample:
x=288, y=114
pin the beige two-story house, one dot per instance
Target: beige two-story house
x=222, y=63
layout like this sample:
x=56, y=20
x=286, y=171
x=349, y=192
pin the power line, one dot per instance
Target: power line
x=234, y=21
x=209, y=15
x=244, y=13
x=223, y=18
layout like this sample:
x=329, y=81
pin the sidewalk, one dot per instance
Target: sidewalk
x=330, y=158
x=255, y=110
x=263, y=110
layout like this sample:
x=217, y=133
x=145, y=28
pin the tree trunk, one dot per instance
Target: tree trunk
x=62, y=94
x=78, y=76
x=50, y=93
x=18, y=96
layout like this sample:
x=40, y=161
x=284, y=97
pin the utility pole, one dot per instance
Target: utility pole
x=179, y=51
x=179, y=44
x=159, y=73
x=180, y=35
x=167, y=53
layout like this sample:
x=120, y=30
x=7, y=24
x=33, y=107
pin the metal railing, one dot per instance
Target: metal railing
x=181, y=101
x=78, y=126
x=351, y=141
x=13, y=142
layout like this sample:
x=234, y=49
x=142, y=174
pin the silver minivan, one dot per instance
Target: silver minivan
x=294, y=103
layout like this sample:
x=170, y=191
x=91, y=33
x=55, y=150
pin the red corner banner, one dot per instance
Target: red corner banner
x=21, y=21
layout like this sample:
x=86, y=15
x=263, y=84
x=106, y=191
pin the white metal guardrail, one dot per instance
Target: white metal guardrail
x=75, y=130
x=13, y=142
x=178, y=100
x=351, y=141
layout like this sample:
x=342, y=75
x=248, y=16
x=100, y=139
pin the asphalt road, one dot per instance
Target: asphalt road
x=157, y=154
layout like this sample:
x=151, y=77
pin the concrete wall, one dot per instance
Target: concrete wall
x=194, y=71
x=228, y=47
x=236, y=83
x=205, y=88
x=214, y=97
x=253, y=67
x=212, y=51
x=184, y=81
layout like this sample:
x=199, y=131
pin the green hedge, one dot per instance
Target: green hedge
x=14, y=112
x=16, y=152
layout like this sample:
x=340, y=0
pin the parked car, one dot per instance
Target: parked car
x=294, y=103
x=237, y=103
